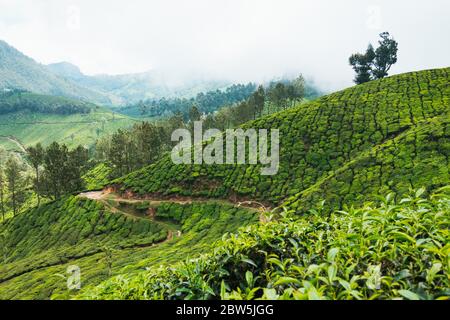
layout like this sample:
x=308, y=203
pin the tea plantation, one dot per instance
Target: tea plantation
x=40, y=244
x=386, y=135
x=390, y=251
x=329, y=242
x=332, y=234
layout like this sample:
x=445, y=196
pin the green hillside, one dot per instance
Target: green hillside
x=391, y=251
x=27, y=118
x=105, y=238
x=17, y=71
x=347, y=148
x=390, y=134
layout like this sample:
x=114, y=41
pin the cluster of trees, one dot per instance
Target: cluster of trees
x=127, y=150
x=144, y=143
x=275, y=97
x=57, y=171
x=206, y=102
x=19, y=100
x=375, y=63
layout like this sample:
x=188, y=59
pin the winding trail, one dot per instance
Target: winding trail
x=104, y=196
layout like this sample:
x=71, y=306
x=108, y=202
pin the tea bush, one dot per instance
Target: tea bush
x=395, y=250
x=66, y=229
x=40, y=244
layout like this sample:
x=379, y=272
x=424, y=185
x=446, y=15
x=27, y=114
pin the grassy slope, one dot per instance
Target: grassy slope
x=28, y=128
x=406, y=115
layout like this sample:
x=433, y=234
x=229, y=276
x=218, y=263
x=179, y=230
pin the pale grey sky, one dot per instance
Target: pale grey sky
x=245, y=40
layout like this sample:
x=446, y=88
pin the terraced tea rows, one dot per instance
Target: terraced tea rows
x=319, y=138
x=40, y=244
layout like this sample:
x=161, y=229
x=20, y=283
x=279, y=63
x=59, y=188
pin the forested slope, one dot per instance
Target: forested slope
x=17, y=71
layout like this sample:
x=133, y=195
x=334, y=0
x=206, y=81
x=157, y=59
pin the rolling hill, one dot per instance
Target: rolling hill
x=337, y=237
x=348, y=148
x=104, y=237
x=17, y=71
x=384, y=135
x=28, y=118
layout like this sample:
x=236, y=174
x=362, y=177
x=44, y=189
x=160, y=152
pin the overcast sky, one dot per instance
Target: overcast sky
x=241, y=40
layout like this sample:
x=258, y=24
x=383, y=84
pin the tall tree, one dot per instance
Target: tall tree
x=194, y=114
x=385, y=56
x=362, y=64
x=16, y=183
x=297, y=89
x=259, y=97
x=75, y=167
x=278, y=95
x=36, y=157
x=55, y=165
x=117, y=152
x=375, y=63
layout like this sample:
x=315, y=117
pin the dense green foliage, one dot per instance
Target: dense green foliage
x=23, y=101
x=393, y=250
x=207, y=102
x=69, y=222
x=38, y=245
x=375, y=63
x=97, y=177
x=406, y=116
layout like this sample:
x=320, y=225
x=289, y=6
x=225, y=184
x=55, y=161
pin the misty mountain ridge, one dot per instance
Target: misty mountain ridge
x=132, y=87
x=18, y=71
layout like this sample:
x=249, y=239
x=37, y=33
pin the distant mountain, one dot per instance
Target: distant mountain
x=131, y=88
x=17, y=71
x=66, y=70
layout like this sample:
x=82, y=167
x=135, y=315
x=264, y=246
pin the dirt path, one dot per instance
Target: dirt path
x=105, y=195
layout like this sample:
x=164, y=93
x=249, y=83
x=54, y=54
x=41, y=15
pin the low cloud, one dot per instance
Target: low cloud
x=226, y=39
